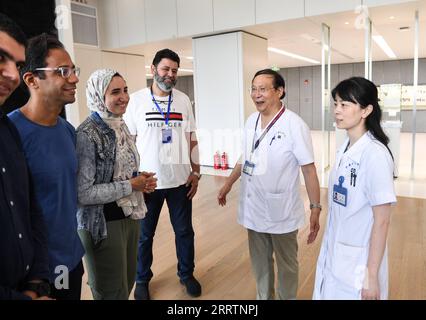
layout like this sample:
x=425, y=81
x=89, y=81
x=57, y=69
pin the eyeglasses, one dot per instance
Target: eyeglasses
x=261, y=90
x=65, y=72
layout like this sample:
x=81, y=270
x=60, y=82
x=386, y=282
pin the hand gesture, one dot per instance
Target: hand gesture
x=150, y=182
x=144, y=182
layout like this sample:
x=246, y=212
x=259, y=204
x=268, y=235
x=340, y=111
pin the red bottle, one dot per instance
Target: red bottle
x=224, y=161
x=216, y=160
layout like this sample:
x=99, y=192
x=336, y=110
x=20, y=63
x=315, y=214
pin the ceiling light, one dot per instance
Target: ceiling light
x=346, y=22
x=381, y=42
x=391, y=17
x=190, y=58
x=292, y=55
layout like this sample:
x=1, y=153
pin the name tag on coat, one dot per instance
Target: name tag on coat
x=248, y=168
x=340, y=193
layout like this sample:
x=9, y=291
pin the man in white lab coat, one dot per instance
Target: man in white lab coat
x=277, y=143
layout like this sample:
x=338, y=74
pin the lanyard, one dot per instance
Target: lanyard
x=256, y=144
x=159, y=109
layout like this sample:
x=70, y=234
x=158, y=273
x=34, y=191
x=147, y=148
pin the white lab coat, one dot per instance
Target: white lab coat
x=270, y=199
x=344, y=252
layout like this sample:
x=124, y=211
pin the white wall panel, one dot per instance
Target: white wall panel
x=278, y=10
x=373, y=3
x=316, y=7
x=233, y=14
x=161, y=23
x=108, y=24
x=194, y=17
x=131, y=22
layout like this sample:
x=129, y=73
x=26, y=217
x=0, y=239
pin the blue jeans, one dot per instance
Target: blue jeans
x=180, y=209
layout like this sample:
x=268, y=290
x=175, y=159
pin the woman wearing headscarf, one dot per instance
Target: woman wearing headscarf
x=110, y=190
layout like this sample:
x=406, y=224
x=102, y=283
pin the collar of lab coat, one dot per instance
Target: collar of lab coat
x=354, y=152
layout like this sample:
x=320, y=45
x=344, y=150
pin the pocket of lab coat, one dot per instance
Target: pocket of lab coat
x=278, y=206
x=350, y=264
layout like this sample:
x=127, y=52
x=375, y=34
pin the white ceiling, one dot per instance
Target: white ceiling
x=303, y=37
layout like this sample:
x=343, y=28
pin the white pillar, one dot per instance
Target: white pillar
x=415, y=86
x=64, y=25
x=325, y=101
x=367, y=50
x=224, y=66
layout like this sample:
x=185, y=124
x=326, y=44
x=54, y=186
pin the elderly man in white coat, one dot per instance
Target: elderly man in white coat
x=277, y=143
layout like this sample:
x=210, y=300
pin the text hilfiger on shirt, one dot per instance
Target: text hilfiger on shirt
x=162, y=124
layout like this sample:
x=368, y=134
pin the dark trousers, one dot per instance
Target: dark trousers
x=74, y=282
x=180, y=209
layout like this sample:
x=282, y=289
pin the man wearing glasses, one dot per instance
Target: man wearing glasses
x=49, y=146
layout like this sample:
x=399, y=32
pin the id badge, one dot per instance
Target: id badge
x=248, y=168
x=166, y=135
x=340, y=193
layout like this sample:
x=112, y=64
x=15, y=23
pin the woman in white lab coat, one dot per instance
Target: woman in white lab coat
x=353, y=259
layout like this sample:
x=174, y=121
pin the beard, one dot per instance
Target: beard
x=162, y=84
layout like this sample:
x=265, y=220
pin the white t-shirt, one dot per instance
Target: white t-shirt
x=170, y=161
x=270, y=199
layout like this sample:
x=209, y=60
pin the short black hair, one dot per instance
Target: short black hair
x=12, y=29
x=278, y=80
x=165, y=54
x=37, y=52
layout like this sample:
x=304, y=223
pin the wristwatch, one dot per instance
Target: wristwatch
x=41, y=288
x=197, y=174
x=315, y=205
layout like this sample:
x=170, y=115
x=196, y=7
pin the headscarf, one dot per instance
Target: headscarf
x=127, y=157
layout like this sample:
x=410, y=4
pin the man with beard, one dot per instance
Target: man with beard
x=161, y=118
x=49, y=147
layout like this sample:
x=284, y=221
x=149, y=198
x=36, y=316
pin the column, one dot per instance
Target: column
x=224, y=65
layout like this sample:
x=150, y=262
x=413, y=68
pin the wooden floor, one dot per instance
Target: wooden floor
x=222, y=262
